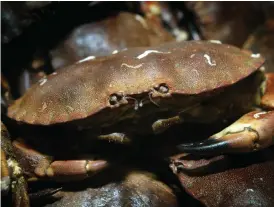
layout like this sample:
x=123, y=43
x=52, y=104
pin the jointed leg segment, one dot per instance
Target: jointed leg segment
x=41, y=166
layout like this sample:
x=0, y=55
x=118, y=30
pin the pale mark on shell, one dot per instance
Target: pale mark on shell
x=208, y=58
x=215, y=41
x=70, y=108
x=85, y=85
x=86, y=59
x=144, y=54
x=42, y=81
x=115, y=52
x=257, y=115
x=195, y=71
x=192, y=56
x=256, y=55
x=132, y=66
x=249, y=190
x=44, y=106
x=141, y=20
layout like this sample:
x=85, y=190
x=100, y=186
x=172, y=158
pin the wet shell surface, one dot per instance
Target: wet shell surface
x=83, y=89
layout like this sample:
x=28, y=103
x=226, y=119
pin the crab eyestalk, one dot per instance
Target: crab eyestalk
x=252, y=132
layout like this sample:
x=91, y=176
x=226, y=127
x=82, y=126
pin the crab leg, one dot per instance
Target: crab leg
x=70, y=169
x=41, y=166
x=251, y=132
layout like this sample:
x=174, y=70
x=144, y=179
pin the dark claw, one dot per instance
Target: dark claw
x=209, y=146
x=252, y=132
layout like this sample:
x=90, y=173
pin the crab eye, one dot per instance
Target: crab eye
x=163, y=88
x=114, y=99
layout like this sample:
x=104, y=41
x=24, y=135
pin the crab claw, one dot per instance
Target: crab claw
x=251, y=132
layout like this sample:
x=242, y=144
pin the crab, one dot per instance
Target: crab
x=137, y=188
x=240, y=180
x=148, y=90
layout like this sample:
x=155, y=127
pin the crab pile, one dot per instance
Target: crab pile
x=127, y=112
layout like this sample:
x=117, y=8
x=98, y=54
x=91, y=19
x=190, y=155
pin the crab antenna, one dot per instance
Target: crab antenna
x=191, y=107
x=141, y=104
x=150, y=98
x=136, y=104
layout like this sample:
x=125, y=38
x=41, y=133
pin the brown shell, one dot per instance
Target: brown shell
x=190, y=67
